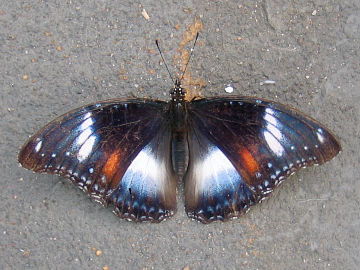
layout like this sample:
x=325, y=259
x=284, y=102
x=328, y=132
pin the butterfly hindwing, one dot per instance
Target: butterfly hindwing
x=102, y=148
x=214, y=189
x=147, y=190
x=241, y=148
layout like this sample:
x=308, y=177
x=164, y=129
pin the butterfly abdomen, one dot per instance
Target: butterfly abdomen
x=180, y=152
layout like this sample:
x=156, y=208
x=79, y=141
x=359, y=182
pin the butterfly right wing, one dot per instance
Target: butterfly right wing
x=112, y=151
x=241, y=148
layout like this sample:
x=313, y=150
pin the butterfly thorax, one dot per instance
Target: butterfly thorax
x=177, y=107
x=177, y=92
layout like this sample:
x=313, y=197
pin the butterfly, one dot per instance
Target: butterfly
x=232, y=152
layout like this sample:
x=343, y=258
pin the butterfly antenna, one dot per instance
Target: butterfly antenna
x=191, y=53
x=162, y=57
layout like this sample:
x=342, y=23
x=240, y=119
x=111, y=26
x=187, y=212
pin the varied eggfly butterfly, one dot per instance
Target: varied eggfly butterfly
x=233, y=151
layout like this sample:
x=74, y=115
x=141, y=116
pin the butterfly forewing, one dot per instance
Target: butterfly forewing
x=102, y=149
x=258, y=142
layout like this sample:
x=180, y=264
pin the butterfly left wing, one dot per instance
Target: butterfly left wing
x=117, y=151
x=241, y=148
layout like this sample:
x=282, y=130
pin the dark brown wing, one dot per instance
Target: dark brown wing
x=112, y=151
x=241, y=148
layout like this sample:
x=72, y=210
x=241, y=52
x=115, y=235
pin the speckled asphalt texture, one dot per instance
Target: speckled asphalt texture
x=59, y=55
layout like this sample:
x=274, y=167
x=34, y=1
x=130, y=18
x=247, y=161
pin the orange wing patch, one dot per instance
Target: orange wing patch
x=249, y=162
x=111, y=165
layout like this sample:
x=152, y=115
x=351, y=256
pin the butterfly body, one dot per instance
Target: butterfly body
x=232, y=152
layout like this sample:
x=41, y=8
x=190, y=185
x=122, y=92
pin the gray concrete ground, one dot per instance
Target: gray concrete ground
x=59, y=55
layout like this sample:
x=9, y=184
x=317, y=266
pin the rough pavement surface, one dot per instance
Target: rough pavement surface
x=59, y=55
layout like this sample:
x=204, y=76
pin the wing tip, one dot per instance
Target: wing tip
x=29, y=154
x=332, y=146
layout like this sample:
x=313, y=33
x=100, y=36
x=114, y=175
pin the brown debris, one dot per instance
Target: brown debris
x=191, y=85
x=191, y=32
